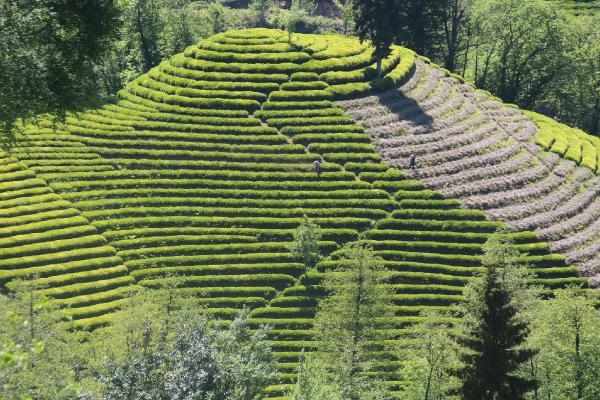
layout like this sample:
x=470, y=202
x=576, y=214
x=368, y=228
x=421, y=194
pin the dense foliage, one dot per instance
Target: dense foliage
x=162, y=346
x=533, y=53
x=47, y=48
x=377, y=20
x=350, y=322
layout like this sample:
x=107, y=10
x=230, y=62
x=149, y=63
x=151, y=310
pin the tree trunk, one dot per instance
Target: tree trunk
x=533, y=376
x=595, y=125
x=143, y=41
x=430, y=374
x=379, y=66
x=578, y=371
x=354, y=368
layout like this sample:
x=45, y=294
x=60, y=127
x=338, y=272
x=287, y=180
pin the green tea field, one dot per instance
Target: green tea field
x=199, y=173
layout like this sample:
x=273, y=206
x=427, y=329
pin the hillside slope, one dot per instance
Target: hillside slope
x=198, y=175
x=472, y=147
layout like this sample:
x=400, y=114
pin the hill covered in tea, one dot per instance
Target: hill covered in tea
x=199, y=174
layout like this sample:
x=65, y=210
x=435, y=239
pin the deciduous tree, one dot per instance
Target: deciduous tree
x=519, y=48
x=567, y=334
x=427, y=363
x=313, y=381
x=305, y=245
x=47, y=48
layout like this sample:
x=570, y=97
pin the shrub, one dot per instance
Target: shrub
x=301, y=95
x=294, y=269
x=262, y=87
x=440, y=214
x=96, y=298
x=95, y=310
x=173, y=108
x=218, y=66
x=304, y=77
x=79, y=277
x=243, y=104
x=23, y=224
x=295, y=130
x=85, y=288
x=308, y=138
x=52, y=246
x=198, y=93
x=341, y=147
x=365, y=167
x=278, y=281
x=298, y=86
x=313, y=122
x=395, y=186
x=222, y=56
x=130, y=212
x=339, y=64
x=418, y=194
x=241, y=222
x=351, y=157
x=325, y=112
x=428, y=225
x=246, y=47
x=47, y=270
x=55, y=258
x=195, y=75
x=297, y=105
x=377, y=176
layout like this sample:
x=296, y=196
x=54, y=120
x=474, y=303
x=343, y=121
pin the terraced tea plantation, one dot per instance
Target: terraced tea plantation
x=199, y=174
x=491, y=156
x=579, y=7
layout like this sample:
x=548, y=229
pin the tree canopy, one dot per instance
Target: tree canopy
x=47, y=48
x=378, y=21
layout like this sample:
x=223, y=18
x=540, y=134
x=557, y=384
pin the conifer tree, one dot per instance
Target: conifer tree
x=350, y=322
x=494, y=334
x=378, y=21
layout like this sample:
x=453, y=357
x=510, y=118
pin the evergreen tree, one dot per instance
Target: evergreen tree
x=379, y=22
x=350, y=322
x=494, y=334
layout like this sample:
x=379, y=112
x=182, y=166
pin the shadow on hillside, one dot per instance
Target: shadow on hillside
x=406, y=108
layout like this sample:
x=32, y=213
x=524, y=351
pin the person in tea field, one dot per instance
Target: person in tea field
x=412, y=161
x=317, y=168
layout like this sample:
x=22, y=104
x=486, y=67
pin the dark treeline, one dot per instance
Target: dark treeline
x=532, y=53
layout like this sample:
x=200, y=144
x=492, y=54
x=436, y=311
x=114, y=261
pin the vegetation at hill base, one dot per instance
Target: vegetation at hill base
x=163, y=346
